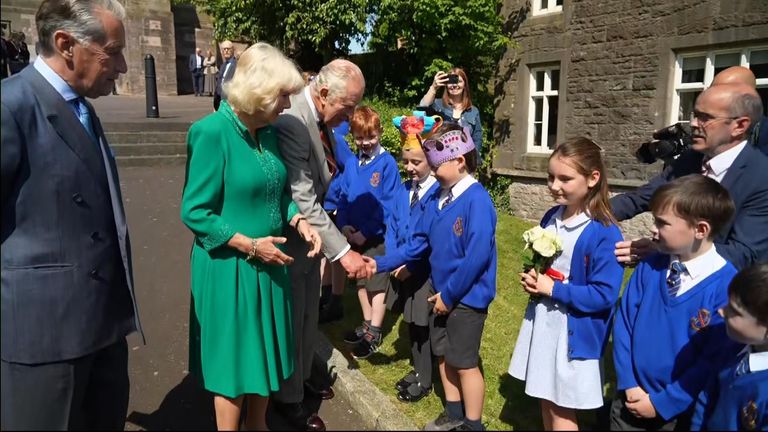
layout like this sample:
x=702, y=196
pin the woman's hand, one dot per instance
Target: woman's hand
x=310, y=235
x=440, y=80
x=263, y=248
x=537, y=284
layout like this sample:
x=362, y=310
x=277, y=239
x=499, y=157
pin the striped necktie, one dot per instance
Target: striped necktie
x=448, y=199
x=743, y=367
x=706, y=168
x=364, y=159
x=84, y=115
x=329, y=159
x=415, y=196
x=674, y=280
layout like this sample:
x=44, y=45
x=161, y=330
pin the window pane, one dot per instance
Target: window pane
x=552, y=126
x=539, y=81
x=687, y=101
x=555, y=80
x=758, y=63
x=538, y=108
x=559, y=2
x=693, y=69
x=724, y=61
x=544, y=4
x=537, y=134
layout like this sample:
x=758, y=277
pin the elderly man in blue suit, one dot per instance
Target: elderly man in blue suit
x=722, y=123
x=196, y=69
x=226, y=72
x=67, y=284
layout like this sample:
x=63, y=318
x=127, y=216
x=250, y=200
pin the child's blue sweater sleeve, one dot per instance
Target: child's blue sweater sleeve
x=480, y=230
x=603, y=278
x=622, y=330
x=704, y=403
x=395, y=222
x=414, y=249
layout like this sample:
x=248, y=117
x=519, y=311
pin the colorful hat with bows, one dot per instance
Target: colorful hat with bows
x=416, y=128
x=448, y=146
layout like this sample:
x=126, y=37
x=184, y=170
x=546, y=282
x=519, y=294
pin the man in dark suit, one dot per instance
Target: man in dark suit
x=226, y=71
x=722, y=121
x=196, y=69
x=306, y=145
x=67, y=285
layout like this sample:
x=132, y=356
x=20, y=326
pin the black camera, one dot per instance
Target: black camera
x=452, y=79
x=668, y=143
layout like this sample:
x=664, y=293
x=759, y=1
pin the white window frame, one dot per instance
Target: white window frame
x=544, y=95
x=551, y=8
x=709, y=74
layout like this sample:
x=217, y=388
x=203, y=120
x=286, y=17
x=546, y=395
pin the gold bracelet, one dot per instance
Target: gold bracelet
x=252, y=252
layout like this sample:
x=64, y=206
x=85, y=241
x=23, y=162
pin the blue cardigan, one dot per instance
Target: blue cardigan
x=592, y=290
x=727, y=403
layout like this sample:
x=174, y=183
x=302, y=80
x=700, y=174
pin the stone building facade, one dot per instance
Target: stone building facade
x=169, y=34
x=614, y=71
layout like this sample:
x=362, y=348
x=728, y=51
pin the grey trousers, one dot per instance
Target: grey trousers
x=86, y=393
x=305, y=285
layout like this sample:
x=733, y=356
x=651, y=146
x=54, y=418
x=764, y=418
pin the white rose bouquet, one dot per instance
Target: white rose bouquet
x=545, y=247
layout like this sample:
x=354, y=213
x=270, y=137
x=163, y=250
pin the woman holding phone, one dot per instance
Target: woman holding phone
x=456, y=103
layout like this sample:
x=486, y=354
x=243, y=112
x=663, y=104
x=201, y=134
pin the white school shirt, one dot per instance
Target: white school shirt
x=424, y=185
x=456, y=190
x=697, y=269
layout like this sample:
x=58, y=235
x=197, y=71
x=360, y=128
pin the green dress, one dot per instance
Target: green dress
x=241, y=337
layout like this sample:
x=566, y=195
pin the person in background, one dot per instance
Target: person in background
x=196, y=69
x=226, y=71
x=67, y=278
x=456, y=104
x=737, y=397
x=4, y=55
x=210, y=70
x=241, y=344
x=744, y=76
x=21, y=60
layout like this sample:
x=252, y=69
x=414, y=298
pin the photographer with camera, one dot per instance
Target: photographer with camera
x=721, y=125
x=456, y=103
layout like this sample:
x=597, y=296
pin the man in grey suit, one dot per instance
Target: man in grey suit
x=226, y=71
x=306, y=144
x=67, y=284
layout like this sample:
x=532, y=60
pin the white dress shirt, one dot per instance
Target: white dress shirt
x=720, y=164
x=697, y=269
x=459, y=188
x=424, y=185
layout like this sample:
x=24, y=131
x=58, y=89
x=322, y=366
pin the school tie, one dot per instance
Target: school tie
x=84, y=115
x=448, y=199
x=743, y=367
x=329, y=159
x=673, y=280
x=364, y=159
x=415, y=197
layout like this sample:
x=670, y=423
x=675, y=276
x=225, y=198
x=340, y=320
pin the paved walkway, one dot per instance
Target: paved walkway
x=133, y=109
x=163, y=395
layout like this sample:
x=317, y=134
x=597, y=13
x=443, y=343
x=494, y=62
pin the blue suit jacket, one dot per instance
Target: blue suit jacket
x=221, y=77
x=744, y=240
x=192, y=64
x=67, y=284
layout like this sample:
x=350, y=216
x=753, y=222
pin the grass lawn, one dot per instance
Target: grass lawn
x=506, y=405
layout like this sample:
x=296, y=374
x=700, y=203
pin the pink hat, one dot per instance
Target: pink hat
x=448, y=146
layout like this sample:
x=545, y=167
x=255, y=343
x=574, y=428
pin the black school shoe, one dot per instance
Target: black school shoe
x=406, y=381
x=414, y=393
x=357, y=334
x=368, y=345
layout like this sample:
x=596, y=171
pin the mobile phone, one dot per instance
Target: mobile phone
x=452, y=79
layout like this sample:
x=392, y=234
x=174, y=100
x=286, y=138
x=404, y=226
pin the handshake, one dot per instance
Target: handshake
x=358, y=266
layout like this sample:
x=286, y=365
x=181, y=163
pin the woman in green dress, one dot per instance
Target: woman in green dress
x=236, y=204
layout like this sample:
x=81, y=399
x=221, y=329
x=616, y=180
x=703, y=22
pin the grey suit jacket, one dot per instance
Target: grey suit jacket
x=308, y=177
x=67, y=281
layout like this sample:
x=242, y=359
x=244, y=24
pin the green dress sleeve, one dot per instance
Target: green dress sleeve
x=202, y=198
x=288, y=207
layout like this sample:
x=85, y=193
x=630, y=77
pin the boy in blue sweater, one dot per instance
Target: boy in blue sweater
x=737, y=399
x=370, y=183
x=668, y=338
x=457, y=231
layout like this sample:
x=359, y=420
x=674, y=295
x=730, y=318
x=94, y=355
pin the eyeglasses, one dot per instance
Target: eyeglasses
x=226, y=49
x=704, y=118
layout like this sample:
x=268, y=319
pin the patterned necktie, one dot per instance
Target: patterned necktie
x=415, y=196
x=329, y=159
x=673, y=280
x=743, y=367
x=364, y=159
x=706, y=168
x=84, y=115
x=448, y=199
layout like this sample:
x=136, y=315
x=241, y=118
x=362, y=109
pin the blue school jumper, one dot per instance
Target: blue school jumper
x=401, y=223
x=343, y=155
x=733, y=402
x=671, y=346
x=368, y=194
x=592, y=290
x=460, y=240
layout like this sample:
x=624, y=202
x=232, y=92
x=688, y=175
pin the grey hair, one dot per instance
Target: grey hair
x=335, y=75
x=747, y=104
x=76, y=17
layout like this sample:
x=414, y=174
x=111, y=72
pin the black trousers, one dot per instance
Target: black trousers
x=86, y=393
x=421, y=350
x=198, y=81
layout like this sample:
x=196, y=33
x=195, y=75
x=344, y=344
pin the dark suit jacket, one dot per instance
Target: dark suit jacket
x=67, y=283
x=225, y=74
x=193, y=62
x=744, y=240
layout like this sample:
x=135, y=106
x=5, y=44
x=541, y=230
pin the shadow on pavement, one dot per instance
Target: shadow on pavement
x=186, y=407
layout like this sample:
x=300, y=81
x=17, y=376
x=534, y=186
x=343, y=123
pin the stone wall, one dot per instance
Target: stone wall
x=616, y=61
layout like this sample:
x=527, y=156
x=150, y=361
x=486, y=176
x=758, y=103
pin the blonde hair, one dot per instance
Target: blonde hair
x=263, y=72
x=336, y=75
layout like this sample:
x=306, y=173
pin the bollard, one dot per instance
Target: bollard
x=151, y=87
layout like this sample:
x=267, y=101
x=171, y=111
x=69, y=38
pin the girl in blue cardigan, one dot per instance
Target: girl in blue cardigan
x=566, y=324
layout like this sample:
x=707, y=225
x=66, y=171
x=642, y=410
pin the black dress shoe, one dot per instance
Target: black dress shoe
x=406, y=381
x=315, y=423
x=323, y=393
x=293, y=412
x=414, y=393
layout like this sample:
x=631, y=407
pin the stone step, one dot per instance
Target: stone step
x=146, y=126
x=146, y=137
x=150, y=149
x=145, y=161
